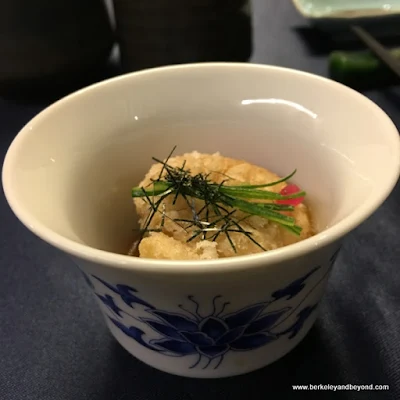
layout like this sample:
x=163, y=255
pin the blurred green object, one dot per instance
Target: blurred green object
x=362, y=70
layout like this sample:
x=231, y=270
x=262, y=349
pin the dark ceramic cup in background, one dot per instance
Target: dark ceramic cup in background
x=47, y=42
x=162, y=32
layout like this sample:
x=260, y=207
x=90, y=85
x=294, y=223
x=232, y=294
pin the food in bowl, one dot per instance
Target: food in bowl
x=58, y=181
x=199, y=206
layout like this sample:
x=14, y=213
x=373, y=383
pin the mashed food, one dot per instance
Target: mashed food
x=184, y=228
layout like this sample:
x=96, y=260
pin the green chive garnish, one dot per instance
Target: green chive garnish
x=221, y=202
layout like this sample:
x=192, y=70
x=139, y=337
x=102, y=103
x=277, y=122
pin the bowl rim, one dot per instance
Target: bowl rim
x=189, y=267
x=346, y=13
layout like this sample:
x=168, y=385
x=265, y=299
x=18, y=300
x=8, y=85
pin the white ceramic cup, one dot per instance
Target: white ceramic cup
x=68, y=174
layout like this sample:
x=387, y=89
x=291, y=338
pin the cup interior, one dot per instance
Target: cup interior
x=71, y=169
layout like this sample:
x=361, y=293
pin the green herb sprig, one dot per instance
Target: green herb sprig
x=221, y=203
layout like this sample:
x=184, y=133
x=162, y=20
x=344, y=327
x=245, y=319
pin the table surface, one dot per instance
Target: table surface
x=51, y=349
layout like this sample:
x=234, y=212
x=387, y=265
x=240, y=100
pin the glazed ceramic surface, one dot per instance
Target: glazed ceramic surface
x=69, y=172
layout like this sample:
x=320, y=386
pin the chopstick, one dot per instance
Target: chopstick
x=377, y=49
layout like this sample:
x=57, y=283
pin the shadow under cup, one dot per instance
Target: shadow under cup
x=77, y=164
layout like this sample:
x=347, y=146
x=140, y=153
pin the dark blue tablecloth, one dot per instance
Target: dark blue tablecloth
x=54, y=344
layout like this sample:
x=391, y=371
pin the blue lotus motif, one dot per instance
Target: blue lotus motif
x=214, y=335
x=211, y=336
x=109, y=302
x=294, y=288
x=126, y=293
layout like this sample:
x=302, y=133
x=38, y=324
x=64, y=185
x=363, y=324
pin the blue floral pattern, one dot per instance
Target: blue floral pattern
x=212, y=336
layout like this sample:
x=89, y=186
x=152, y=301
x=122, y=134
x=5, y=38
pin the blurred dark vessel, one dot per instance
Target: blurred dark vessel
x=153, y=33
x=52, y=44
